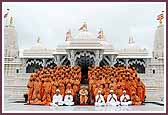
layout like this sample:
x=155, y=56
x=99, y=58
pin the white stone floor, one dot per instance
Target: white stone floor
x=20, y=107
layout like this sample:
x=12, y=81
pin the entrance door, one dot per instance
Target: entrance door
x=84, y=62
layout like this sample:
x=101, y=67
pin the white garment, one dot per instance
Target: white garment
x=68, y=100
x=112, y=101
x=125, y=100
x=57, y=99
x=99, y=100
x=126, y=103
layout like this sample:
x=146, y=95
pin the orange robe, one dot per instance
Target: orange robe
x=36, y=93
x=53, y=88
x=106, y=93
x=83, y=96
x=62, y=89
x=47, y=90
x=30, y=90
x=141, y=91
x=136, y=100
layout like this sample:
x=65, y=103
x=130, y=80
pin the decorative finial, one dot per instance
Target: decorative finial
x=11, y=21
x=68, y=35
x=84, y=27
x=101, y=34
x=38, y=40
x=160, y=17
x=131, y=40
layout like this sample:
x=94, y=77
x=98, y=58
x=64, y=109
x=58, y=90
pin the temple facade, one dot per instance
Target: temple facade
x=83, y=50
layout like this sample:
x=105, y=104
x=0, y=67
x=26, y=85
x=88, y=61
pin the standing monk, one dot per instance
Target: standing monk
x=47, y=90
x=36, y=93
x=141, y=90
x=106, y=92
x=30, y=88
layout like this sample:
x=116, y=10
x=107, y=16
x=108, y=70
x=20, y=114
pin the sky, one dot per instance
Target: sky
x=50, y=21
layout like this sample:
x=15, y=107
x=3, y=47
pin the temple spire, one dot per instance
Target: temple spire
x=160, y=18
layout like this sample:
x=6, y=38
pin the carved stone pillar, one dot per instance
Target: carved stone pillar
x=72, y=58
x=97, y=58
x=44, y=63
x=58, y=60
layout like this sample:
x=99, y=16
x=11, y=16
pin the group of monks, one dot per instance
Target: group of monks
x=106, y=84
x=43, y=84
x=117, y=79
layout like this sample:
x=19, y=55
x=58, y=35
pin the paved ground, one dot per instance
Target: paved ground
x=21, y=107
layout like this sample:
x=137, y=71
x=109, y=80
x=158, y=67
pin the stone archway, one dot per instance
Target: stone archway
x=32, y=65
x=84, y=59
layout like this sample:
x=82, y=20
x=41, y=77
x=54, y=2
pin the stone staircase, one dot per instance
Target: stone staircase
x=15, y=88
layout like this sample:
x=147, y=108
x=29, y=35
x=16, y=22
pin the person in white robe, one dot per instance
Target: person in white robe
x=68, y=100
x=99, y=99
x=125, y=99
x=57, y=99
x=112, y=99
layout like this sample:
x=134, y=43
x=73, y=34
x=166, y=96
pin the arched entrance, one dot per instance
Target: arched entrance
x=84, y=60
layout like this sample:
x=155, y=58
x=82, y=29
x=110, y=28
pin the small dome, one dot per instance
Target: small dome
x=85, y=35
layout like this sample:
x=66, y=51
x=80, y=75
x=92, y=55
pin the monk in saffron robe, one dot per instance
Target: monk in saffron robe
x=76, y=86
x=91, y=81
x=30, y=86
x=62, y=89
x=53, y=87
x=83, y=95
x=42, y=87
x=141, y=90
x=47, y=90
x=119, y=92
x=106, y=92
x=36, y=98
x=135, y=99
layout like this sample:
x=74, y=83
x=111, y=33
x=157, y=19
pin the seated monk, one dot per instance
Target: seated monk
x=125, y=99
x=68, y=100
x=112, y=99
x=57, y=99
x=99, y=99
x=135, y=99
x=83, y=95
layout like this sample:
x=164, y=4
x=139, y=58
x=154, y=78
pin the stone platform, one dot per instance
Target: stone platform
x=20, y=107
